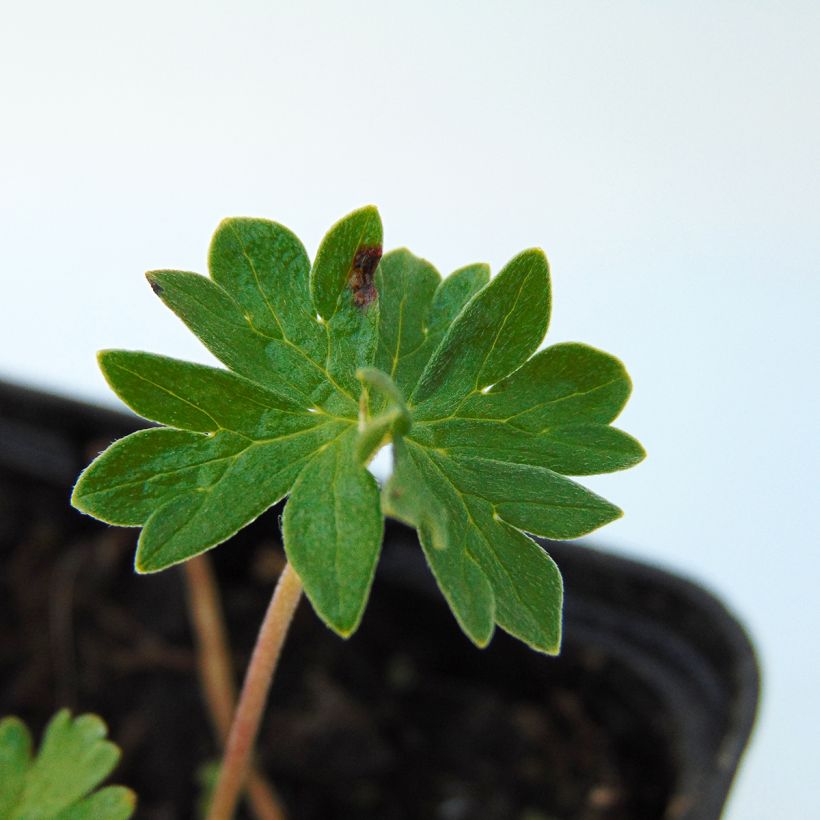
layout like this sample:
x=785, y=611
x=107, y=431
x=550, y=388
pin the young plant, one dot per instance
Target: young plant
x=59, y=781
x=328, y=363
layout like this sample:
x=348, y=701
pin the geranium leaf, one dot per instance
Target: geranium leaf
x=418, y=495
x=342, y=282
x=495, y=334
x=249, y=482
x=573, y=449
x=330, y=362
x=73, y=759
x=15, y=759
x=111, y=803
x=236, y=443
x=453, y=294
x=193, y=396
x=495, y=428
x=404, y=312
x=333, y=529
x=228, y=333
x=417, y=307
x=347, y=259
x=140, y=473
x=563, y=384
x=533, y=499
x=266, y=269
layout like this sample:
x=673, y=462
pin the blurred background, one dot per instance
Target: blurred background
x=666, y=157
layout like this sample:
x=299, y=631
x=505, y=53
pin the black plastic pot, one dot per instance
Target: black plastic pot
x=645, y=714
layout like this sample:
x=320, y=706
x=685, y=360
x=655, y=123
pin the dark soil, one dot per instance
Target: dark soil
x=404, y=720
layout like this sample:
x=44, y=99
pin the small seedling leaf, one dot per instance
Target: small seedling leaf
x=333, y=527
x=328, y=363
x=73, y=759
x=496, y=428
x=285, y=420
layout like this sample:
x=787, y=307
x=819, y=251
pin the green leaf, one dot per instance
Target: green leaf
x=417, y=495
x=330, y=362
x=266, y=269
x=15, y=755
x=495, y=334
x=416, y=309
x=347, y=261
x=343, y=286
x=407, y=285
x=250, y=481
x=112, y=803
x=193, y=396
x=533, y=499
x=577, y=449
x=526, y=582
x=229, y=334
x=494, y=431
x=564, y=384
x=237, y=442
x=333, y=530
x=74, y=758
x=451, y=296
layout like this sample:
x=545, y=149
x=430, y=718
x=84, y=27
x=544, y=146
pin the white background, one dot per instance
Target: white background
x=665, y=156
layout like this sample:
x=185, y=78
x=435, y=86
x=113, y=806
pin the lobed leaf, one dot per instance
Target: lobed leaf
x=471, y=522
x=333, y=528
x=407, y=285
x=484, y=428
x=564, y=384
x=249, y=482
x=194, y=397
x=530, y=498
x=578, y=449
x=347, y=259
x=526, y=583
x=416, y=309
x=493, y=434
x=222, y=326
x=417, y=495
x=73, y=759
x=343, y=285
x=237, y=442
x=494, y=334
x=143, y=471
x=266, y=269
x=450, y=298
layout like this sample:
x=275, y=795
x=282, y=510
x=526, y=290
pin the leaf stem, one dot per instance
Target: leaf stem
x=254, y=694
x=216, y=673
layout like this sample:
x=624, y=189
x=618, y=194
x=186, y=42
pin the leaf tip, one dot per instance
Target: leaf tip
x=105, y=358
x=227, y=222
x=76, y=499
x=370, y=211
x=143, y=565
x=551, y=649
x=153, y=281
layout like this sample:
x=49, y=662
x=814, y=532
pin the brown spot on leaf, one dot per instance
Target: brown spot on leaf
x=360, y=280
x=155, y=286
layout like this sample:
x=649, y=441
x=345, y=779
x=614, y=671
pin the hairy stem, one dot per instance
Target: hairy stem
x=216, y=673
x=254, y=694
